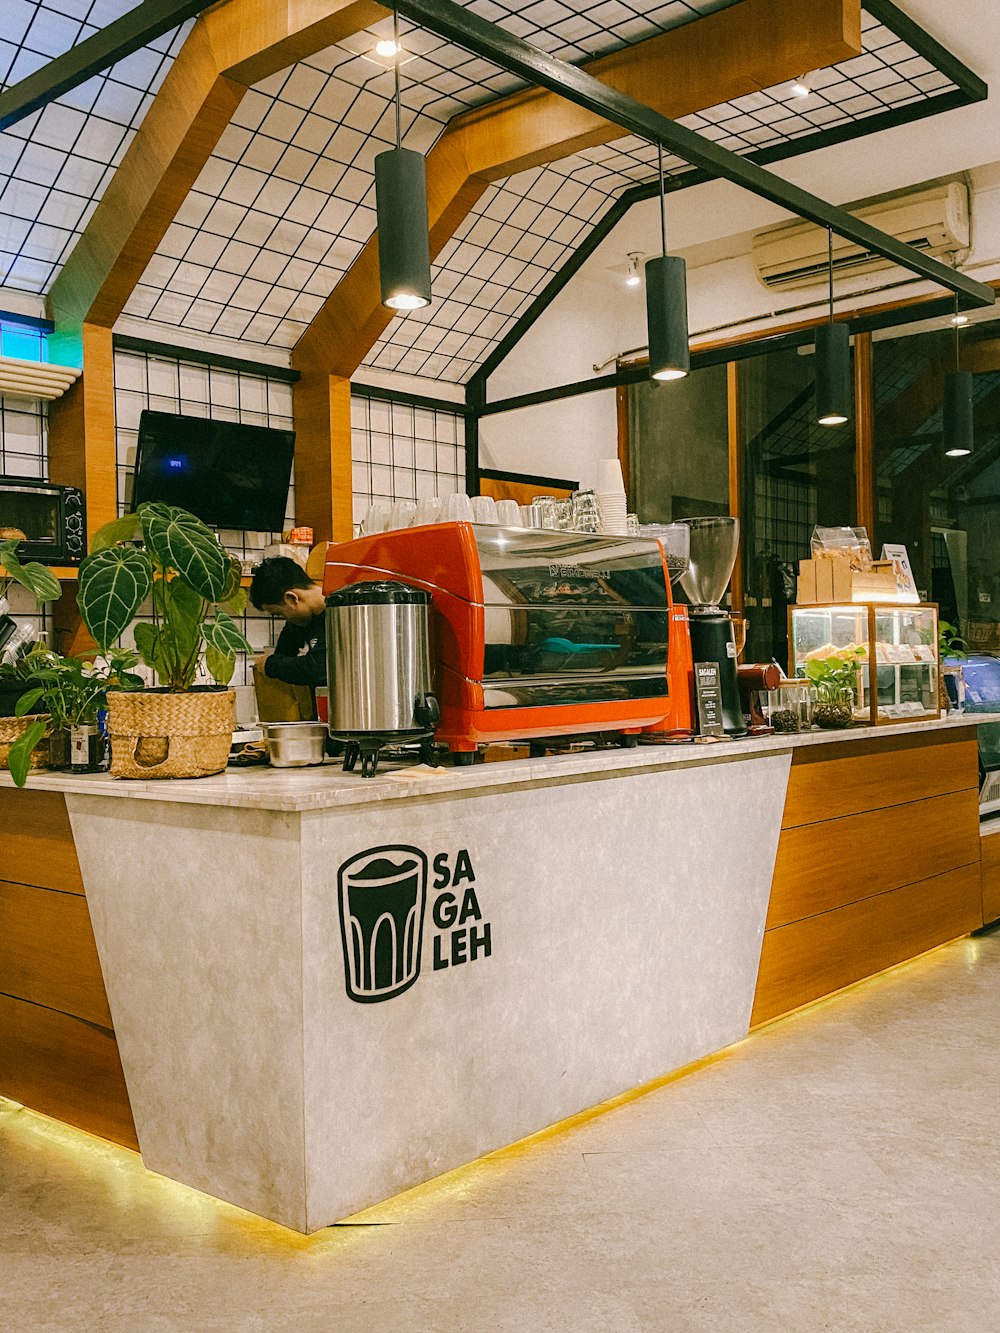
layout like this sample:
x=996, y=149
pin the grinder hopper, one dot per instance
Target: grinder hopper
x=714, y=543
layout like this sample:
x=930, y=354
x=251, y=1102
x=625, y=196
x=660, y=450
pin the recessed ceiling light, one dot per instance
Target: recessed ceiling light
x=959, y=320
x=633, y=278
x=800, y=88
x=957, y=453
x=387, y=48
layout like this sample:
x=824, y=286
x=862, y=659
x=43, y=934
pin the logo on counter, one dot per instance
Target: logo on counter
x=382, y=895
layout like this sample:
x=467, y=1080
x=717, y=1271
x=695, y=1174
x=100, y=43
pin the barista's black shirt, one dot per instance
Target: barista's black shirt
x=299, y=656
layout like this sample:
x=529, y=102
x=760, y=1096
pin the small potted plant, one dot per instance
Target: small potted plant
x=836, y=681
x=44, y=587
x=172, y=558
x=70, y=691
x=950, y=644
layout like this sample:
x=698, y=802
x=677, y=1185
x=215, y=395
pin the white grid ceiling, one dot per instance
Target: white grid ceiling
x=286, y=203
x=56, y=164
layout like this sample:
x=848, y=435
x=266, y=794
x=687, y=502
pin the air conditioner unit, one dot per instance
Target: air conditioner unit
x=935, y=221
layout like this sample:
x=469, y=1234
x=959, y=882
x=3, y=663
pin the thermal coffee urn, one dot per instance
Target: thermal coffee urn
x=379, y=670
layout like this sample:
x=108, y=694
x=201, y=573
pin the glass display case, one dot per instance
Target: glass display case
x=888, y=654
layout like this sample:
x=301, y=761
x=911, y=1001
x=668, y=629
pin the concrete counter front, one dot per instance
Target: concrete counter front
x=324, y=990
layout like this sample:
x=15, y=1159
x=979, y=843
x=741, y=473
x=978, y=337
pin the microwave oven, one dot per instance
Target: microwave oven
x=51, y=518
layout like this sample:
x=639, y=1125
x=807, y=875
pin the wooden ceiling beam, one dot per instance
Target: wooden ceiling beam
x=729, y=54
x=229, y=49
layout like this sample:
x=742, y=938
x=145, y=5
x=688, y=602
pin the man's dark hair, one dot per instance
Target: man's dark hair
x=273, y=578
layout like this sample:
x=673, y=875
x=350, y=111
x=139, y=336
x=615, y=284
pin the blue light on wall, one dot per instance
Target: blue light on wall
x=23, y=343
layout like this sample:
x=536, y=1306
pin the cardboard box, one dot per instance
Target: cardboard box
x=806, y=589
x=871, y=587
x=824, y=580
x=841, y=578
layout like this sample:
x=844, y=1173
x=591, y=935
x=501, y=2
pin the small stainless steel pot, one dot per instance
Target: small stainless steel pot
x=295, y=744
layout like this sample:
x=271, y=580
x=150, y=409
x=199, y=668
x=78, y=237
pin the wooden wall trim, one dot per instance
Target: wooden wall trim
x=735, y=426
x=324, y=497
x=864, y=428
x=82, y=447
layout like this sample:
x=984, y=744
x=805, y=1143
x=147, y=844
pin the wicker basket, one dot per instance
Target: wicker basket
x=12, y=729
x=170, y=735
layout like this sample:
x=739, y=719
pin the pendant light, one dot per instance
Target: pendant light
x=401, y=207
x=958, y=428
x=833, y=363
x=666, y=305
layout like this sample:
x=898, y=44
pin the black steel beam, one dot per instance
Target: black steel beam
x=119, y=39
x=406, y=399
x=493, y=43
x=171, y=352
x=924, y=44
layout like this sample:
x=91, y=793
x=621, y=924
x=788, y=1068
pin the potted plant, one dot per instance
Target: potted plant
x=15, y=641
x=950, y=644
x=171, y=557
x=836, y=679
x=71, y=691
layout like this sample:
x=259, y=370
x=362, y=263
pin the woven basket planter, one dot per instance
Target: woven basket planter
x=12, y=729
x=170, y=735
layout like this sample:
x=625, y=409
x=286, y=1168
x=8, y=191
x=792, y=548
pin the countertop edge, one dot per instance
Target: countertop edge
x=305, y=790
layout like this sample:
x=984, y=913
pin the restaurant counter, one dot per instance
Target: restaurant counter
x=310, y=991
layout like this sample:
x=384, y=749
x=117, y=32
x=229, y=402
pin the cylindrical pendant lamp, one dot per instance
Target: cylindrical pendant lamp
x=834, y=390
x=666, y=305
x=667, y=317
x=833, y=374
x=958, y=432
x=404, y=249
x=404, y=258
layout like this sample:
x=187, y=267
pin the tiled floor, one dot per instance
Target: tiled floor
x=838, y=1171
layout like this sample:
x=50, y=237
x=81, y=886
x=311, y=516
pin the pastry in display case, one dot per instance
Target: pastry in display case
x=876, y=662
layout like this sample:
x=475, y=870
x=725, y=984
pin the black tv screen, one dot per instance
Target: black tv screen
x=230, y=475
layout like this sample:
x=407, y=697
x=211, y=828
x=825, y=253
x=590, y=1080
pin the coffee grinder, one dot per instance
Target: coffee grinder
x=714, y=543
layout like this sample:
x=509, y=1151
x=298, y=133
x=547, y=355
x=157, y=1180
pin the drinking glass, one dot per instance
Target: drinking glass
x=403, y=513
x=484, y=510
x=544, y=511
x=586, y=511
x=376, y=519
x=458, y=508
x=508, y=513
x=632, y=524
x=564, y=515
x=527, y=516
x=428, y=511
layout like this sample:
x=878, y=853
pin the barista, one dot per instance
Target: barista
x=281, y=587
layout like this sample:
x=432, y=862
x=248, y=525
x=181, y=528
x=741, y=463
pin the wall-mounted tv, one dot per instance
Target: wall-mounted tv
x=230, y=475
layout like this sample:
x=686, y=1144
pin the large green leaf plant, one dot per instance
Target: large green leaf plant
x=173, y=558
x=39, y=581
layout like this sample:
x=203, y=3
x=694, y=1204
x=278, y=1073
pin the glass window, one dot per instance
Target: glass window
x=24, y=343
x=796, y=474
x=679, y=447
x=945, y=510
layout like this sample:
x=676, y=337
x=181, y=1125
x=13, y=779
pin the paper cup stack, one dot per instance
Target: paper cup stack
x=611, y=493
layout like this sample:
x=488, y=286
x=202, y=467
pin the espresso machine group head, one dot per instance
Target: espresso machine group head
x=713, y=549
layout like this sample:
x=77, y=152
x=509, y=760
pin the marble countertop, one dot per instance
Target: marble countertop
x=325, y=787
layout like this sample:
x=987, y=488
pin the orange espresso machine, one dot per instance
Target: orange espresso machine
x=535, y=633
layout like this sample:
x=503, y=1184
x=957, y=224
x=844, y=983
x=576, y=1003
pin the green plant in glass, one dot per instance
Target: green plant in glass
x=835, y=680
x=950, y=641
x=72, y=691
x=168, y=555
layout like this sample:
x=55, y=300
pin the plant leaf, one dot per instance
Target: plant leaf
x=233, y=578
x=19, y=754
x=225, y=635
x=220, y=665
x=27, y=702
x=39, y=581
x=123, y=529
x=147, y=640
x=114, y=583
x=182, y=542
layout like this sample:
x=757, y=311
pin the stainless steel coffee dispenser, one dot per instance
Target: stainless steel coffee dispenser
x=379, y=670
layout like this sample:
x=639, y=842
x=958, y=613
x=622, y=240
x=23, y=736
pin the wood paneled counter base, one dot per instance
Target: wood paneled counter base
x=878, y=861
x=592, y=913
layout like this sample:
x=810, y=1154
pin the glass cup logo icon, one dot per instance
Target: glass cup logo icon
x=382, y=894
